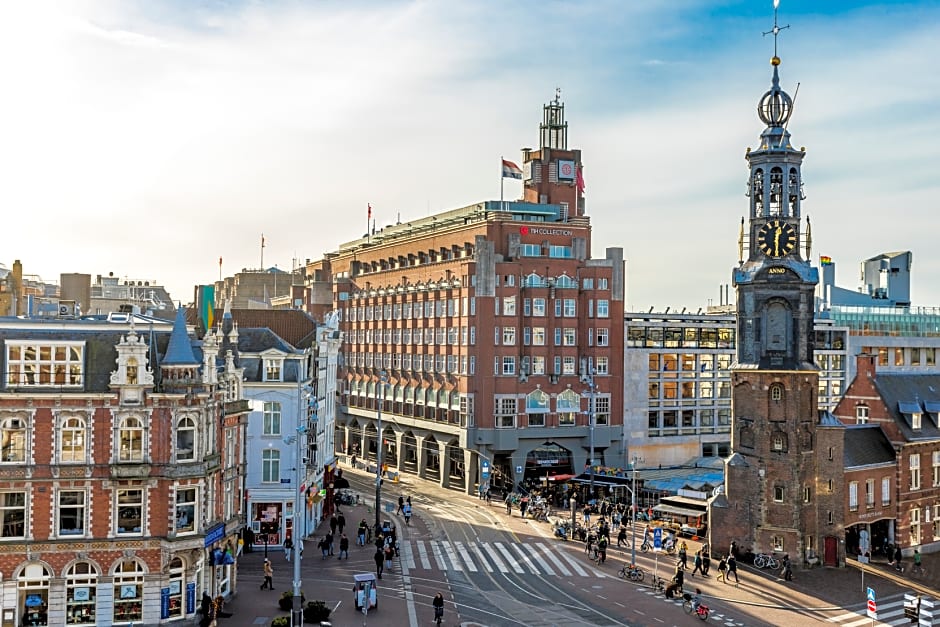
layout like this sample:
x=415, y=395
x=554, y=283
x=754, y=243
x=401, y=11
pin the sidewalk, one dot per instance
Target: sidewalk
x=329, y=580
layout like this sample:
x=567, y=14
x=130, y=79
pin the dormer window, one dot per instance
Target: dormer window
x=273, y=369
x=915, y=421
x=861, y=415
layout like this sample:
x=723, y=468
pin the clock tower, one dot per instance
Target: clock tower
x=776, y=498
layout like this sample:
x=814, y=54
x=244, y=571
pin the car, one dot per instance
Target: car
x=689, y=531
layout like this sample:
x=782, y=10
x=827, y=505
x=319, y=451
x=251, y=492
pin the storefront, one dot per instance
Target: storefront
x=267, y=522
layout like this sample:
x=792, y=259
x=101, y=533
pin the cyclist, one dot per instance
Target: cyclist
x=438, y=604
x=696, y=599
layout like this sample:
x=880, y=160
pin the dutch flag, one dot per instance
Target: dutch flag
x=511, y=170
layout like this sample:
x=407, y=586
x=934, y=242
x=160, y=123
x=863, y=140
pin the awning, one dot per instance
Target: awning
x=679, y=511
x=597, y=481
x=560, y=477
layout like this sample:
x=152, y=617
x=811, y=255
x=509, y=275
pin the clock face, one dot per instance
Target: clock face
x=776, y=239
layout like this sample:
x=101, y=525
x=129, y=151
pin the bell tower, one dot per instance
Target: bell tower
x=773, y=498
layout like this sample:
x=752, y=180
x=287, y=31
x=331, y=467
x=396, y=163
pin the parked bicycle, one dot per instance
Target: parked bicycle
x=763, y=560
x=631, y=572
x=658, y=584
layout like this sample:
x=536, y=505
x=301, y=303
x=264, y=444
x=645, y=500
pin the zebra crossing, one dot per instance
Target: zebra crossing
x=890, y=612
x=534, y=558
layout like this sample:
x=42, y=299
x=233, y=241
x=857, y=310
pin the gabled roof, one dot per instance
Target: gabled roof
x=180, y=350
x=866, y=445
x=904, y=394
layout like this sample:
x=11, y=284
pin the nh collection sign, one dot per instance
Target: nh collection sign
x=531, y=230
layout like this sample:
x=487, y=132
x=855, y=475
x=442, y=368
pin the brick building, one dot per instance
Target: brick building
x=488, y=334
x=121, y=466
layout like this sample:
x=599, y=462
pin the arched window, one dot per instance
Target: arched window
x=776, y=191
x=565, y=281
x=33, y=591
x=72, y=444
x=533, y=280
x=13, y=440
x=536, y=402
x=567, y=404
x=186, y=439
x=757, y=191
x=128, y=592
x=776, y=392
x=131, y=440
x=81, y=584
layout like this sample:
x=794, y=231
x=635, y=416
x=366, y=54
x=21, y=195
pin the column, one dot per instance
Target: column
x=471, y=464
x=346, y=439
x=399, y=453
x=363, y=443
x=444, y=459
x=422, y=458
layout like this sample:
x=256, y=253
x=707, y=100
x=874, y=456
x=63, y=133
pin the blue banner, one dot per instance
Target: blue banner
x=191, y=598
x=215, y=534
x=164, y=603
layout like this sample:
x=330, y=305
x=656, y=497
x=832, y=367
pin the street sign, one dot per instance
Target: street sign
x=485, y=470
x=518, y=470
x=872, y=606
x=658, y=539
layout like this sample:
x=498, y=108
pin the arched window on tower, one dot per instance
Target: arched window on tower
x=793, y=191
x=757, y=191
x=776, y=191
x=776, y=392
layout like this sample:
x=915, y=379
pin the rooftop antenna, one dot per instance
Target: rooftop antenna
x=558, y=95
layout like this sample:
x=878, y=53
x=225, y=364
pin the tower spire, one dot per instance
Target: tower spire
x=776, y=31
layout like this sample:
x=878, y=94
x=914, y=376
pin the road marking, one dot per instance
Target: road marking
x=436, y=550
x=543, y=564
x=551, y=556
x=573, y=563
x=466, y=556
x=452, y=555
x=494, y=555
x=408, y=556
x=510, y=559
x=476, y=549
x=423, y=555
x=525, y=559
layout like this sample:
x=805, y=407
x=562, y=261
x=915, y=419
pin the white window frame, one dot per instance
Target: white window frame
x=273, y=369
x=187, y=424
x=603, y=337
x=131, y=441
x=73, y=440
x=14, y=430
x=914, y=467
x=603, y=308
x=271, y=418
x=45, y=364
x=81, y=505
x=270, y=465
x=602, y=366
x=8, y=509
x=853, y=496
x=886, y=491
x=861, y=414
x=129, y=504
x=186, y=501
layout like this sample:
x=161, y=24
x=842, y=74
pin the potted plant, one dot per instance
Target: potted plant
x=281, y=621
x=286, y=602
x=316, y=612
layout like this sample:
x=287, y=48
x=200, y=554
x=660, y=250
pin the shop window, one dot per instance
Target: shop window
x=33, y=594
x=81, y=584
x=177, y=570
x=128, y=592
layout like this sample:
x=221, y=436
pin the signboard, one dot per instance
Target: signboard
x=565, y=170
x=164, y=602
x=518, y=470
x=191, y=597
x=485, y=470
x=658, y=539
x=872, y=606
x=215, y=534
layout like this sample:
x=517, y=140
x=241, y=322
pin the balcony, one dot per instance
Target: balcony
x=231, y=408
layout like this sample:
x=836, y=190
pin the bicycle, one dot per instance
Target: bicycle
x=631, y=572
x=658, y=584
x=700, y=610
x=762, y=560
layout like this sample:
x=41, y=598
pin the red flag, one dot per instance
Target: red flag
x=579, y=180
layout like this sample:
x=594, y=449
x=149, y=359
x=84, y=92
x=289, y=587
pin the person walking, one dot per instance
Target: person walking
x=509, y=504
x=343, y=547
x=329, y=542
x=602, y=550
x=268, y=575
x=732, y=570
x=684, y=555
x=722, y=567
x=523, y=506
x=389, y=555
x=340, y=523
x=334, y=522
x=379, y=559
x=697, y=563
x=362, y=532
x=622, y=537
x=288, y=548
x=706, y=561
x=787, y=570
x=407, y=512
x=401, y=503
x=324, y=548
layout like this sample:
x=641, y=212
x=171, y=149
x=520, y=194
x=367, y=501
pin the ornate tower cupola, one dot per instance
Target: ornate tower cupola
x=133, y=374
x=775, y=282
x=553, y=132
x=179, y=367
x=552, y=174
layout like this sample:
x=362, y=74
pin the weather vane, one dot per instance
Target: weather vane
x=776, y=29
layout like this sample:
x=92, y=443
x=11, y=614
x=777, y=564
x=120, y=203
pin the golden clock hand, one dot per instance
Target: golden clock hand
x=777, y=233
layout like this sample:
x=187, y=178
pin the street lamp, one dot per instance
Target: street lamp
x=300, y=472
x=589, y=379
x=633, y=511
x=379, y=400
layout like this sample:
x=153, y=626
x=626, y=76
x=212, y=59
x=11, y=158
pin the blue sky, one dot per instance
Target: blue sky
x=150, y=138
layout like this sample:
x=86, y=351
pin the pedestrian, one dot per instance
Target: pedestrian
x=787, y=570
x=602, y=549
x=363, y=530
x=408, y=500
x=732, y=569
x=379, y=559
x=586, y=514
x=341, y=523
x=407, y=511
x=333, y=524
x=268, y=575
x=389, y=555
x=615, y=519
x=288, y=548
x=697, y=563
x=897, y=558
x=622, y=537
x=509, y=504
x=324, y=548
x=684, y=555
x=706, y=562
x=489, y=494
x=205, y=608
x=733, y=551
x=329, y=542
x=722, y=567
x=343, y=547
x=401, y=503
x=523, y=506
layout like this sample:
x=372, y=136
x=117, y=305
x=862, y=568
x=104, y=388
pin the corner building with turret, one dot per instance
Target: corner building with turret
x=488, y=336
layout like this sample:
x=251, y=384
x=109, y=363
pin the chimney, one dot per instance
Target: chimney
x=18, y=296
x=865, y=365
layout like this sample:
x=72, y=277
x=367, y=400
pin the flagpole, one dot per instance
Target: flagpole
x=502, y=206
x=262, y=251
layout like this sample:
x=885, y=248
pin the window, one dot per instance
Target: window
x=271, y=422
x=12, y=514
x=567, y=404
x=776, y=542
x=185, y=514
x=131, y=440
x=602, y=365
x=588, y=283
x=567, y=365
x=776, y=392
x=778, y=494
x=72, y=440
x=915, y=421
x=561, y=252
x=538, y=306
x=186, y=439
x=40, y=364
x=778, y=442
x=538, y=364
x=603, y=309
x=569, y=310
x=569, y=336
x=81, y=585
x=861, y=415
x=936, y=522
x=936, y=468
x=509, y=336
x=601, y=410
x=602, y=284
x=930, y=356
x=915, y=526
x=177, y=572
x=505, y=413
x=898, y=356
x=509, y=365
x=853, y=496
x=272, y=369
x=914, y=464
x=886, y=491
x=509, y=306
x=603, y=337
x=130, y=511
x=13, y=440
x=530, y=250
x=538, y=336
x=128, y=592
x=71, y=513
x=270, y=466
x=807, y=494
